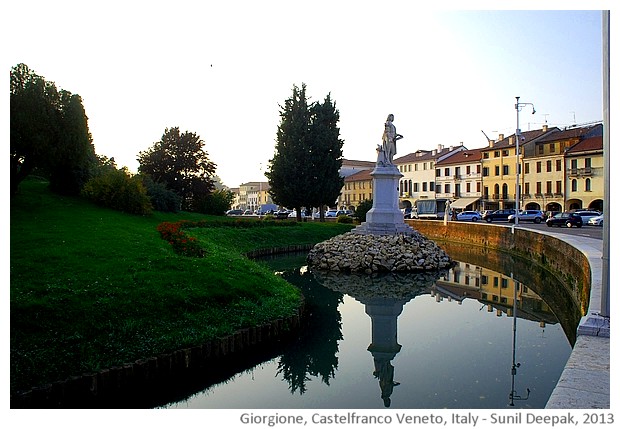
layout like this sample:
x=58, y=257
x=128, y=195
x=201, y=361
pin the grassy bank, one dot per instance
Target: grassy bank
x=92, y=288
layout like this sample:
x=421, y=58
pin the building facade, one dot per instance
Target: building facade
x=357, y=188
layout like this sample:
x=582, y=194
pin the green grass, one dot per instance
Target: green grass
x=92, y=288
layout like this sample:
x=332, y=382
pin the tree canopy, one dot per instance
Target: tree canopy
x=49, y=133
x=304, y=170
x=180, y=162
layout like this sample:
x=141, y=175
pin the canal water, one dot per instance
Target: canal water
x=433, y=341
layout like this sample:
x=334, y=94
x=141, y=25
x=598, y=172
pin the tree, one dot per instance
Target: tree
x=288, y=172
x=305, y=168
x=326, y=155
x=49, y=133
x=179, y=161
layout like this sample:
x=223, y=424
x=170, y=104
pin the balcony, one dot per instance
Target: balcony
x=580, y=172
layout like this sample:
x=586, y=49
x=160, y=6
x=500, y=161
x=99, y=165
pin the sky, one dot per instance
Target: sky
x=223, y=69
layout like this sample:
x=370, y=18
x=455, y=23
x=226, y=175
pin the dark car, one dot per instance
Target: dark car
x=565, y=219
x=234, y=212
x=498, y=215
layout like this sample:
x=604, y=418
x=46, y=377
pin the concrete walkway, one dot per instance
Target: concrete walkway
x=585, y=381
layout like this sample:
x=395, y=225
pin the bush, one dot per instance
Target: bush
x=162, y=198
x=362, y=209
x=215, y=203
x=118, y=190
x=344, y=219
x=183, y=245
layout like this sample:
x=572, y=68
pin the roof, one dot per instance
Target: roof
x=359, y=176
x=569, y=133
x=462, y=157
x=351, y=163
x=426, y=155
x=591, y=144
x=509, y=141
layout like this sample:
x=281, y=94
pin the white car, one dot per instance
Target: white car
x=469, y=215
x=586, y=215
x=596, y=221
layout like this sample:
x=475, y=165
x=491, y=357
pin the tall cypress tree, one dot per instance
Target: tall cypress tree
x=326, y=154
x=288, y=172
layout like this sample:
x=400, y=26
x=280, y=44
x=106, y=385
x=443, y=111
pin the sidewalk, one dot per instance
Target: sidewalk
x=585, y=381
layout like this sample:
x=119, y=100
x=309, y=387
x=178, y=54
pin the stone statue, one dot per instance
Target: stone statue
x=386, y=152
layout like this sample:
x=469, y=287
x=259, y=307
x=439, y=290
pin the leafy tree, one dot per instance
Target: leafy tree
x=288, y=173
x=179, y=161
x=118, y=190
x=325, y=155
x=216, y=203
x=162, y=198
x=305, y=168
x=49, y=132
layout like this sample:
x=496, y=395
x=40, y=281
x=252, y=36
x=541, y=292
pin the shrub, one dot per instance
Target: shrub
x=181, y=244
x=118, y=190
x=344, y=219
x=215, y=203
x=362, y=209
x=162, y=198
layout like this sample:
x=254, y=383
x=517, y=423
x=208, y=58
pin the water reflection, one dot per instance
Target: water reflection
x=448, y=357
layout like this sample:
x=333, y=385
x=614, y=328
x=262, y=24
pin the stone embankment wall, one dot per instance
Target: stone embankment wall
x=566, y=262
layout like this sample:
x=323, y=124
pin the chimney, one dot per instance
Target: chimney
x=500, y=137
x=491, y=143
x=439, y=148
x=545, y=128
x=434, y=152
x=511, y=140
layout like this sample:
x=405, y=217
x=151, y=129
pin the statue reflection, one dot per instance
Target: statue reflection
x=384, y=345
x=383, y=296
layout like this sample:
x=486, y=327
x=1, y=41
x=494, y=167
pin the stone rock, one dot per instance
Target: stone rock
x=354, y=252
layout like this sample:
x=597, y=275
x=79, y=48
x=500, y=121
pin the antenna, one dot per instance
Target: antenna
x=485, y=134
x=545, y=115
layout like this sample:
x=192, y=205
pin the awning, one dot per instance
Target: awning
x=461, y=203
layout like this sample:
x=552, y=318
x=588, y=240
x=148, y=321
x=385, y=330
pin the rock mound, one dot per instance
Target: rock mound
x=353, y=252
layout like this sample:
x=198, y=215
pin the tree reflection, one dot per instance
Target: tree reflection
x=314, y=352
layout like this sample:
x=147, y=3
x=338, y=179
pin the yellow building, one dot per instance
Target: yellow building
x=499, y=170
x=584, y=173
x=544, y=179
x=357, y=188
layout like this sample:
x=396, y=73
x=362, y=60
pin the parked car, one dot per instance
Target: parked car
x=336, y=213
x=248, y=212
x=234, y=212
x=586, y=215
x=535, y=216
x=565, y=219
x=498, y=215
x=596, y=221
x=549, y=214
x=473, y=216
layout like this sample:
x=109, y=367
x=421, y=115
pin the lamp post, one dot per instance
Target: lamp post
x=518, y=137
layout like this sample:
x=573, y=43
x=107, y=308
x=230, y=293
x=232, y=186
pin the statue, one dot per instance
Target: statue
x=386, y=152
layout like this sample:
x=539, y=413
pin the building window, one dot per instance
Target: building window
x=496, y=154
x=438, y=188
x=468, y=187
x=446, y=172
x=558, y=187
x=527, y=168
x=478, y=168
x=573, y=164
x=539, y=187
x=478, y=186
x=504, y=283
x=438, y=172
x=468, y=170
x=424, y=188
x=447, y=191
x=485, y=171
x=505, y=168
x=457, y=171
x=495, y=282
x=573, y=185
x=416, y=187
x=588, y=185
x=541, y=149
x=588, y=162
x=549, y=186
x=558, y=165
x=505, y=152
x=527, y=188
x=539, y=167
x=485, y=155
x=497, y=170
x=425, y=165
x=552, y=147
x=549, y=166
x=431, y=186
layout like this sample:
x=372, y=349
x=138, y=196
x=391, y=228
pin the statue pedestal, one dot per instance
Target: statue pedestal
x=384, y=218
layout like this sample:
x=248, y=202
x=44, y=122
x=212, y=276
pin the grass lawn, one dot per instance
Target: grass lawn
x=92, y=288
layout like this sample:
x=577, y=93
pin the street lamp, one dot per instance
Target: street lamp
x=518, y=137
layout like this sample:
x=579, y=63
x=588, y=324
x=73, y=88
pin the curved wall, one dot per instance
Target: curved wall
x=569, y=264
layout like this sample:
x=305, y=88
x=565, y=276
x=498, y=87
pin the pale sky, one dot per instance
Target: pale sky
x=222, y=69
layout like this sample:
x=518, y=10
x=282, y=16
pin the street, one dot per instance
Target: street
x=585, y=231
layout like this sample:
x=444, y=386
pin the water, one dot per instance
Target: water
x=414, y=342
